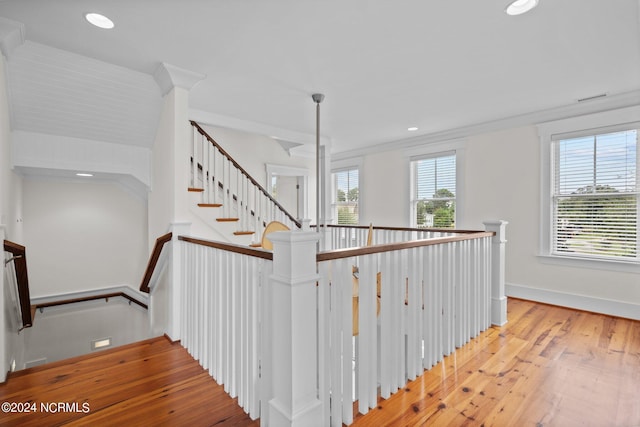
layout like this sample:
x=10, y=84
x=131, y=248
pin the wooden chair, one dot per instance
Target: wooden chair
x=270, y=228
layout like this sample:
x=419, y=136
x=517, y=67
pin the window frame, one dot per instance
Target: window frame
x=343, y=166
x=587, y=125
x=454, y=147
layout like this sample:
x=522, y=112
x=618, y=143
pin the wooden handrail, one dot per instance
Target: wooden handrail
x=153, y=260
x=91, y=298
x=434, y=230
x=22, y=278
x=244, y=250
x=245, y=173
x=368, y=250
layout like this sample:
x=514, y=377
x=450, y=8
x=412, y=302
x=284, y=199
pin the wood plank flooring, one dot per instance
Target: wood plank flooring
x=150, y=383
x=549, y=366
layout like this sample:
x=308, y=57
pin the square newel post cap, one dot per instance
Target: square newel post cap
x=499, y=227
x=294, y=254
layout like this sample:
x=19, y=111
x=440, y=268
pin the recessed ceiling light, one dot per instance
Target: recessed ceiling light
x=100, y=21
x=518, y=7
x=412, y=129
x=84, y=174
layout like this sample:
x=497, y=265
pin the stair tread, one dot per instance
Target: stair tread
x=210, y=205
x=195, y=190
x=243, y=233
x=227, y=219
x=255, y=245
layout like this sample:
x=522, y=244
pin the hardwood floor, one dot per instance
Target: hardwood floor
x=150, y=383
x=549, y=366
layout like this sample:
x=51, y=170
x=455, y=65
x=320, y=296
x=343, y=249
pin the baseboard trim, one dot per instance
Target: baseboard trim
x=579, y=302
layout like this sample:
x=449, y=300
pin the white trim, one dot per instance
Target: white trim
x=13, y=36
x=429, y=148
x=589, y=121
x=591, y=263
x=169, y=76
x=579, y=302
x=453, y=146
x=348, y=163
x=614, y=119
x=343, y=166
x=609, y=102
x=285, y=170
x=302, y=175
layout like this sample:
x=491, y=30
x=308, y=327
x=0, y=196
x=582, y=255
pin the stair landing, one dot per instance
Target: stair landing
x=152, y=382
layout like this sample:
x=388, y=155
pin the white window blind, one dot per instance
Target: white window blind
x=595, y=196
x=346, y=196
x=434, y=198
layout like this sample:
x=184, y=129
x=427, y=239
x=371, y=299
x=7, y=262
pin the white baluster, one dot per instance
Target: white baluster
x=386, y=323
x=344, y=272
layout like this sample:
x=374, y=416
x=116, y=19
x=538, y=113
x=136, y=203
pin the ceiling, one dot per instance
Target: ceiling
x=384, y=66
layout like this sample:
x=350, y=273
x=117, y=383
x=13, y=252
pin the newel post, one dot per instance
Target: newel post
x=498, y=298
x=294, y=325
x=174, y=325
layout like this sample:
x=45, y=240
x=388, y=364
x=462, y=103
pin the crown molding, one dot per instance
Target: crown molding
x=11, y=36
x=607, y=103
x=168, y=76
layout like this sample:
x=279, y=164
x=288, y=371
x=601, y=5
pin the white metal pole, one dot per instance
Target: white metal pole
x=317, y=98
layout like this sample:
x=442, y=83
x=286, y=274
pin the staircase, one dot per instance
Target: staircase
x=227, y=197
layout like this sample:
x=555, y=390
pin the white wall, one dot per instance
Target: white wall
x=10, y=221
x=77, y=325
x=82, y=234
x=502, y=181
x=384, y=193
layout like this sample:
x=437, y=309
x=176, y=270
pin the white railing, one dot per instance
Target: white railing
x=431, y=299
x=223, y=324
x=353, y=236
x=277, y=328
x=223, y=181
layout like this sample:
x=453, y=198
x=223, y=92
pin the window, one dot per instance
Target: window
x=433, y=198
x=594, y=195
x=346, y=196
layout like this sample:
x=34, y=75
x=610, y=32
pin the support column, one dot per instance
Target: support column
x=498, y=298
x=294, y=326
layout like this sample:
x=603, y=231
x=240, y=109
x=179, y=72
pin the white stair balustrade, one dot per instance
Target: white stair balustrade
x=298, y=336
x=221, y=323
x=433, y=297
x=224, y=184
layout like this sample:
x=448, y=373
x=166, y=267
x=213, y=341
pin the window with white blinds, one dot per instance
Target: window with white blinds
x=346, y=196
x=433, y=200
x=594, y=196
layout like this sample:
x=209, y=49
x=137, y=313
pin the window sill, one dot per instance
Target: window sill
x=591, y=263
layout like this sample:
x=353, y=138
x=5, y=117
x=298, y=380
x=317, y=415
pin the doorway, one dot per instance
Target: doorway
x=289, y=186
